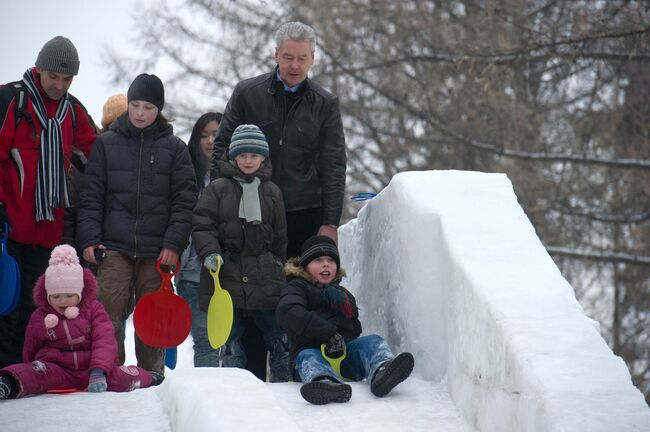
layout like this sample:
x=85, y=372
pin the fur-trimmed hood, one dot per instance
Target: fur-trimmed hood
x=88, y=295
x=293, y=269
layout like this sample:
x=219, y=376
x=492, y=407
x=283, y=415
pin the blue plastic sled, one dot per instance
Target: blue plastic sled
x=170, y=357
x=9, y=278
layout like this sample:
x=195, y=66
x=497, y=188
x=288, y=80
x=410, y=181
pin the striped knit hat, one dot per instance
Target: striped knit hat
x=248, y=138
x=318, y=246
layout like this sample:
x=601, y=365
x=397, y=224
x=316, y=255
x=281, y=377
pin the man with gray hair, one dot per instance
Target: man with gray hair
x=41, y=127
x=302, y=125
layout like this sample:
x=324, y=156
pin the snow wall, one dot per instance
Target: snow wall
x=445, y=264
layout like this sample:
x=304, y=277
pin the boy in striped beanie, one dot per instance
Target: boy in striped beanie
x=239, y=228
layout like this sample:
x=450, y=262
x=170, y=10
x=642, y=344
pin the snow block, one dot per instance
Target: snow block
x=223, y=408
x=445, y=264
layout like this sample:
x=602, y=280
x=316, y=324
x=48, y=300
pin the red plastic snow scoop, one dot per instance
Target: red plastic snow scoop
x=9, y=277
x=161, y=318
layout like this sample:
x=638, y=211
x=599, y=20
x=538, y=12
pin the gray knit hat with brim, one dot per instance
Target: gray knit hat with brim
x=248, y=138
x=58, y=55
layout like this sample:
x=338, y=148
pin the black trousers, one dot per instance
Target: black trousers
x=32, y=263
x=301, y=224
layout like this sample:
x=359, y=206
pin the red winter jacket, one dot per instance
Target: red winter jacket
x=82, y=343
x=19, y=153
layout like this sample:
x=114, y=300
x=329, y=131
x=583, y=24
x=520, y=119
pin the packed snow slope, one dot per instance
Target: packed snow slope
x=446, y=265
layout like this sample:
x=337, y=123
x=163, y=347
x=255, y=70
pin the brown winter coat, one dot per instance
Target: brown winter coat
x=253, y=254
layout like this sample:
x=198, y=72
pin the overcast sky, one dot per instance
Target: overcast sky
x=91, y=25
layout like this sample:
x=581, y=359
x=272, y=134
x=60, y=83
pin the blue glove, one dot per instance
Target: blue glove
x=212, y=262
x=97, y=382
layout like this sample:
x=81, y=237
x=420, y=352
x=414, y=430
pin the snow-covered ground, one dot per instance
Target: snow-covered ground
x=444, y=264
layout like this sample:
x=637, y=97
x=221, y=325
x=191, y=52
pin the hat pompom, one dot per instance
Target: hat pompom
x=72, y=312
x=51, y=321
x=64, y=254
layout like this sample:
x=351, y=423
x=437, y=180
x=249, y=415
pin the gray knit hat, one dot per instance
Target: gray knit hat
x=59, y=55
x=248, y=138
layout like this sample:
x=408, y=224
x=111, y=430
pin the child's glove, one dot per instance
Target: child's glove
x=212, y=262
x=335, y=346
x=97, y=382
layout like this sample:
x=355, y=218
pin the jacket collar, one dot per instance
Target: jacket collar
x=277, y=84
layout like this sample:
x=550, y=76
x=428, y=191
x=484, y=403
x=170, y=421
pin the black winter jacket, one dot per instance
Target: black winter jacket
x=305, y=314
x=307, y=145
x=138, y=191
x=253, y=254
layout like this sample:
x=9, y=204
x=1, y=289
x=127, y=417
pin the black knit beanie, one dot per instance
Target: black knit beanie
x=318, y=246
x=147, y=88
x=58, y=55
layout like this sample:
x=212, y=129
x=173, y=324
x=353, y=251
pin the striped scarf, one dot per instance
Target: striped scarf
x=51, y=184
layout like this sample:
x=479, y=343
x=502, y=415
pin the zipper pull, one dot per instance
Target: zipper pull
x=151, y=159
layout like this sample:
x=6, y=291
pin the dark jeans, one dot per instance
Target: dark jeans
x=32, y=263
x=275, y=340
x=301, y=224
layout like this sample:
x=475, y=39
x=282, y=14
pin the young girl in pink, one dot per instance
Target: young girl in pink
x=70, y=342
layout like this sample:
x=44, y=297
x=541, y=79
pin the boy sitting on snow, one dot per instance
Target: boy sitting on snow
x=316, y=311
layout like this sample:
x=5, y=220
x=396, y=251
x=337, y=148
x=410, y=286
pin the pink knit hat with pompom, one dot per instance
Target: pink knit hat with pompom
x=64, y=275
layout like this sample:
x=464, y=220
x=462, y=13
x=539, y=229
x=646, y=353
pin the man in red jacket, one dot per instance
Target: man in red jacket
x=41, y=127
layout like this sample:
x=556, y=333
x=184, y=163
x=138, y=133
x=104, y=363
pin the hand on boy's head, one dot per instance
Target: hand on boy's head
x=329, y=231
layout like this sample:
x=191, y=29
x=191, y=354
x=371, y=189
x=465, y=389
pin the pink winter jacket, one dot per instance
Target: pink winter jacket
x=85, y=342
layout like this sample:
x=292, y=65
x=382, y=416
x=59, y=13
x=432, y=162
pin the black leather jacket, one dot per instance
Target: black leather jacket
x=307, y=145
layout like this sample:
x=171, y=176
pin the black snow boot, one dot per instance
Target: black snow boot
x=392, y=373
x=325, y=390
x=7, y=385
x=156, y=378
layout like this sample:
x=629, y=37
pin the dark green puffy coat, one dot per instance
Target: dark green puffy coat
x=253, y=254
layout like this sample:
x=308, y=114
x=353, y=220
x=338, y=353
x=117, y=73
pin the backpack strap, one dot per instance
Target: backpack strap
x=20, y=96
x=74, y=101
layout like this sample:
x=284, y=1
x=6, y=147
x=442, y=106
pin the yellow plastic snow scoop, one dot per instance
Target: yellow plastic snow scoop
x=220, y=313
x=335, y=362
